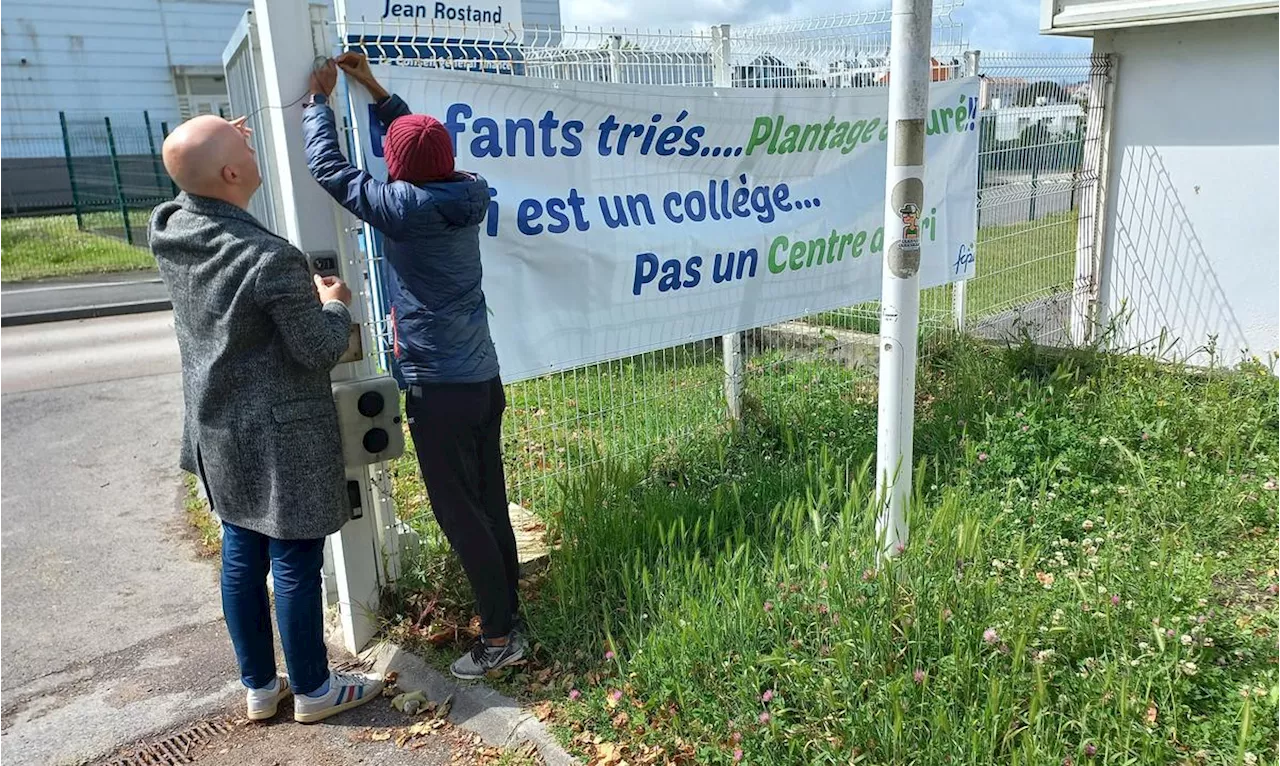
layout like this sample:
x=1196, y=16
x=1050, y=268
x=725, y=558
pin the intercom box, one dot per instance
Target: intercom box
x=369, y=420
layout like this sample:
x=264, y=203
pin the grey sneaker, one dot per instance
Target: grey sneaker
x=484, y=658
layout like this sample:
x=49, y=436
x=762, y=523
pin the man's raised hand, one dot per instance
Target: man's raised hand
x=332, y=289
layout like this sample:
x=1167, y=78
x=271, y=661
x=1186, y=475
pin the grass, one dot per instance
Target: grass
x=1090, y=578
x=52, y=246
x=628, y=409
x=204, y=525
x=1022, y=262
x=621, y=408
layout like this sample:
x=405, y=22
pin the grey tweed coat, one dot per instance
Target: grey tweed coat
x=260, y=429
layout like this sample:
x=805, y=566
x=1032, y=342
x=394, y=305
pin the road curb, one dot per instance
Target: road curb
x=498, y=719
x=83, y=312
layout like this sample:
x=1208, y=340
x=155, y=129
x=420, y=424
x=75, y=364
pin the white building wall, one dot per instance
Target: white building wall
x=1191, y=222
x=198, y=30
x=101, y=58
x=1073, y=17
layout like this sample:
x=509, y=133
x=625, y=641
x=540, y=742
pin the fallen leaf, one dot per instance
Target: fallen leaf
x=441, y=637
x=1151, y=714
x=542, y=711
x=608, y=753
x=380, y=736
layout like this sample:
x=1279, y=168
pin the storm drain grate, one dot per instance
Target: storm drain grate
x=179, y=747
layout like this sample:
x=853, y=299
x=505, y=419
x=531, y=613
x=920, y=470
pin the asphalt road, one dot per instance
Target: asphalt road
x=112, y=628
x=1012, y=200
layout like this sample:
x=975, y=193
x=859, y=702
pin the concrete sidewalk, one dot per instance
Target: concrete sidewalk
x=98, y=295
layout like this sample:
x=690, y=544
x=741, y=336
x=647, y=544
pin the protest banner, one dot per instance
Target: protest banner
x=625, y=219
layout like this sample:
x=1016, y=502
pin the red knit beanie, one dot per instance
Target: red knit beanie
x=418, y=149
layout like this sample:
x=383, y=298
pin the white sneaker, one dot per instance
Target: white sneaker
x=346, y=691
x=263, y=703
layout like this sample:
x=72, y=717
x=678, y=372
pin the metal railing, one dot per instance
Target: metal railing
x=78, y=202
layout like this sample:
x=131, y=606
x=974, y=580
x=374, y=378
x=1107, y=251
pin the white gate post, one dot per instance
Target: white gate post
x=960, y=288
x=309, y=222
x=909, y=69
x=731, y=343
x=1091, y=223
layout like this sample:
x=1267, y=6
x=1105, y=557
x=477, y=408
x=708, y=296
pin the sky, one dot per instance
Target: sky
x=992, y=25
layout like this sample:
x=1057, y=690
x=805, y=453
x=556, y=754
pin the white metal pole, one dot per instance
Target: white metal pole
x=960, y=289
x=722, y=77
x=615, y=59
x=909, y=76
x=289, y=50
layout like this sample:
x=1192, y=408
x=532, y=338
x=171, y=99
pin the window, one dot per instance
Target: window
x=202, y=94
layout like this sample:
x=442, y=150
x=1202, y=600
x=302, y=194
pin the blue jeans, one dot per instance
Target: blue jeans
x=296, y=566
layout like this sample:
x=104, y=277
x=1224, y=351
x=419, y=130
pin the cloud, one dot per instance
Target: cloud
x=1004, y=25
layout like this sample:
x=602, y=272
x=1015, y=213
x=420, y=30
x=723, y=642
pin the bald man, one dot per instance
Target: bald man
x=258, y=336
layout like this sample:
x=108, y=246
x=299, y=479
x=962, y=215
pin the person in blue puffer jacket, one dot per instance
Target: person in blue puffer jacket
x=429, y=215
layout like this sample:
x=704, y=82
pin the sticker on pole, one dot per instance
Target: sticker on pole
x=910, y=215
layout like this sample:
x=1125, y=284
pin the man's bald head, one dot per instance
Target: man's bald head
x=211, y=157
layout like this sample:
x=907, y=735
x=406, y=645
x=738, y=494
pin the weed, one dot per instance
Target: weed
x=205, y=526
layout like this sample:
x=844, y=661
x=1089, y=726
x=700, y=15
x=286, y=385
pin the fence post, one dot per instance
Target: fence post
x=364, y=559
x=984, y=103
x=731, y=343
x=1075, y=173
x=960, y=288
x=615, y=59
x=115, y=175
x=1090, y=227
x=155, y=158
x=164, y=136
x=1035, y=177
x=71, y=172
